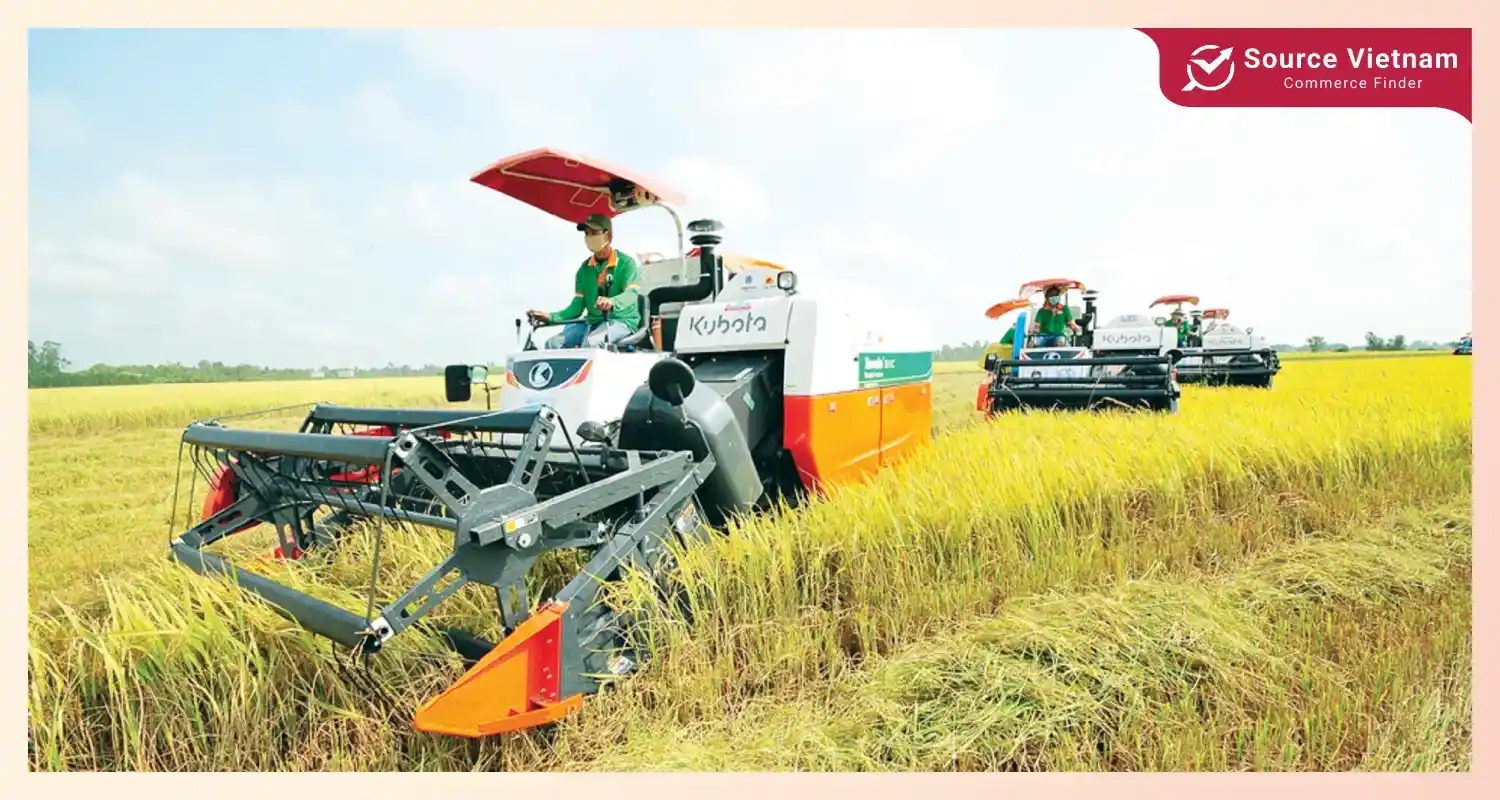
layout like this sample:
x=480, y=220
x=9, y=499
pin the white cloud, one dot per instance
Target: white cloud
x=1306, y=222
x=908, y=98
x=531, y=88
x=929, y=168
x=718, y=191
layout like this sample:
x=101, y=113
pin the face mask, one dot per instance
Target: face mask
x=595, y=241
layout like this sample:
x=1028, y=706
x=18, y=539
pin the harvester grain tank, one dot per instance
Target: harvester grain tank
x=1126, y=362
x=743, y=389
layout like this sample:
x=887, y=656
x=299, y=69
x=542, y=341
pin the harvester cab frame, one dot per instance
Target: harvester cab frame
x=1126, y=363
x=758, y=393
x=1220, y=353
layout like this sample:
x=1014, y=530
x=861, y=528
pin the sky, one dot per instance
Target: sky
x=301, y=198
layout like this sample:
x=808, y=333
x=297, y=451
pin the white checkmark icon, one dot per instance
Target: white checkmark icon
x=1208, y=67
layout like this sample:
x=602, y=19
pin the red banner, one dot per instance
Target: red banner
x=1323, y=67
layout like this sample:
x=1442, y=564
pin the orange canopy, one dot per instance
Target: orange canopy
x=1004, y=307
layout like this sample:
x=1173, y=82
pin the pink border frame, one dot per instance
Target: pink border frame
x=1478, y=14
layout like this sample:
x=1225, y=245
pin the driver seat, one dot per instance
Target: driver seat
x=631, y=343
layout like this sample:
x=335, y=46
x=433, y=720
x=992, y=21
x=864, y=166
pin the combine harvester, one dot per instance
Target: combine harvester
x=1465, y=346
x=1216, y=352
x=740, y=390
x=1125, y=363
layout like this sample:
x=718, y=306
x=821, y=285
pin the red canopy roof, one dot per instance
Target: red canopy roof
x=1173, y=299
x=571, y=187
x=1028, y=289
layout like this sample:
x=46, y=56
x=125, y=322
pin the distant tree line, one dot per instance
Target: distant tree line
x=1373, y=342
x=972, y=351
x=48, y=368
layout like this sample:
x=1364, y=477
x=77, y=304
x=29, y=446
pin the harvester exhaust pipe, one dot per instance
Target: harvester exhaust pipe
x=707, y=239
x=1090, y=316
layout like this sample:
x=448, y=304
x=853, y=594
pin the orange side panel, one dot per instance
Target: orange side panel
x=905, y=421
x=834, y=438
x=514, y=686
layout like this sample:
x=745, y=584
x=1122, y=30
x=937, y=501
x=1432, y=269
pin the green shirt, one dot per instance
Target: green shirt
x=1182, y=327
x=623, y=291
x=1053, y=323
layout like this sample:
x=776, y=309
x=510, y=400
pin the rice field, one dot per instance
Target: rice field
x=1269, y=580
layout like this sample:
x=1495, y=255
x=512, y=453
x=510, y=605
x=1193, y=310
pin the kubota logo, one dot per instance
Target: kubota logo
x=1208, y=67
x=540, y=375
x=1126, y=338
x=722, y=324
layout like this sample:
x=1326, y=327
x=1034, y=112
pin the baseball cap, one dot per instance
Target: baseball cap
x=596, y=222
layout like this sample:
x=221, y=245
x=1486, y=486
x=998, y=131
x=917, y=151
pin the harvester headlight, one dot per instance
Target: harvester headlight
x=786, y=280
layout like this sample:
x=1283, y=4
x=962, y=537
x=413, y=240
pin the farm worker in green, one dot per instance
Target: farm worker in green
x=1052, y=319
x=1179, y=322
x=606, y=287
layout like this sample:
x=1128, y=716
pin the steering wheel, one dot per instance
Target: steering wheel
x=535, y=323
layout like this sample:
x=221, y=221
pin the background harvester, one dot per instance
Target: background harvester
x=744, y=391
x=1217, y=352
x=1465, y=346
x=1125, y=363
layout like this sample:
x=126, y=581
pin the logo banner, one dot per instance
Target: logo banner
x=1316, y=67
